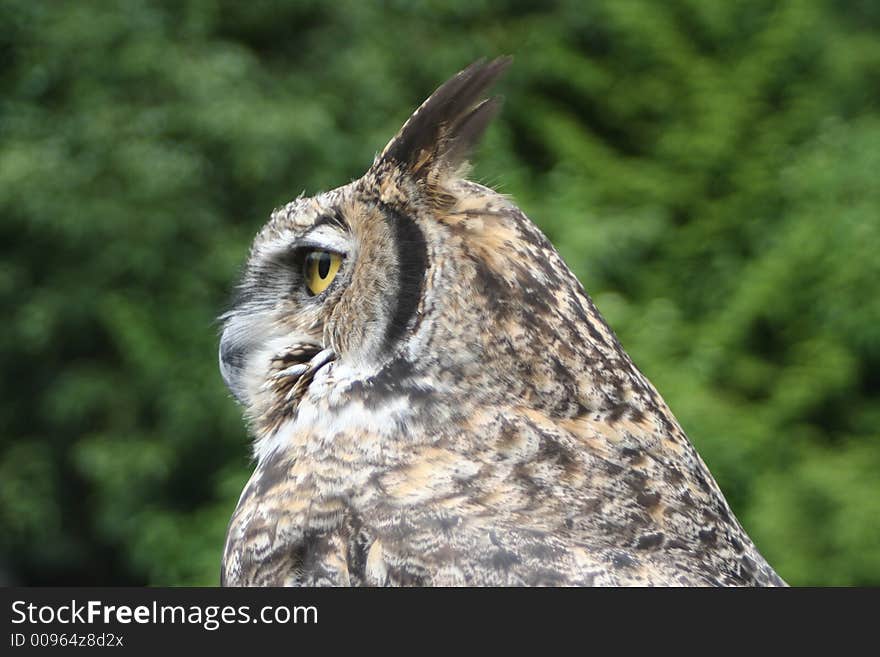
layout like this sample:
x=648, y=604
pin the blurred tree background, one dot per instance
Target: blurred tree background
x=710, y=170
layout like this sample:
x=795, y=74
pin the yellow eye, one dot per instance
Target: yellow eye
x=320, y=270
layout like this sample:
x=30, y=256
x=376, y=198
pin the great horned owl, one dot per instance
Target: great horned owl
x=435, y=400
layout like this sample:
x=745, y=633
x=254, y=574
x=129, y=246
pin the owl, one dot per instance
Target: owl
x=435, y=400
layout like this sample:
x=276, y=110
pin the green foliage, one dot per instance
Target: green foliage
x=708, y=169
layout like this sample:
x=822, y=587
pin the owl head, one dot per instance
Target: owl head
x=409, y=275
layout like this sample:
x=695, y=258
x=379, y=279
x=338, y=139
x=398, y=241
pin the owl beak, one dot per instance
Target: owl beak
x=297, y=370
x=322, y=358
x=302, y=374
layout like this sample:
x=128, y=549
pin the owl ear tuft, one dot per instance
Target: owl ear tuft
x=441, y=133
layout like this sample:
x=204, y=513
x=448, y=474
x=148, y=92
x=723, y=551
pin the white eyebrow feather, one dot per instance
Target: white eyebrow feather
x=324, y=237
x=328, y=237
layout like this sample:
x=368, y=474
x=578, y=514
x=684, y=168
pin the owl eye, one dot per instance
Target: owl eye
x=321, y=268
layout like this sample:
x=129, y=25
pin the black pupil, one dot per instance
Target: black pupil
x=323, y=264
